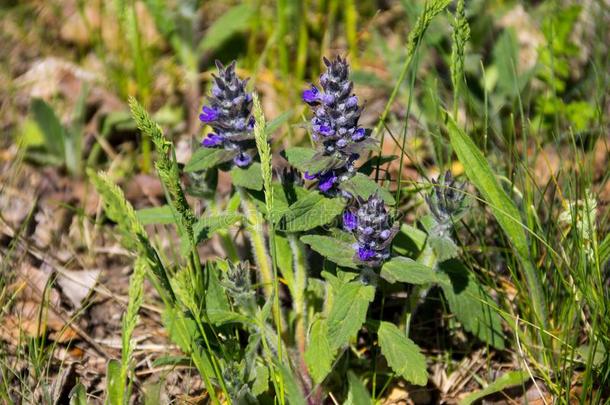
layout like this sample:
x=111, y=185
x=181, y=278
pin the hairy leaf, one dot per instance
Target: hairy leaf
x=402, y=354
x=204, y=158
x=405, y=270
x=336, y=251
x=363, y=186
x=249, y=177
x=357, y=394
x=319, y=355
x=348, y=312
x=310, y=212
x=470, y=303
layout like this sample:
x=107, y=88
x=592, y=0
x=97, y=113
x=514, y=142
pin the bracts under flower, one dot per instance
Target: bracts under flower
x=374, y=230
x=229, y=114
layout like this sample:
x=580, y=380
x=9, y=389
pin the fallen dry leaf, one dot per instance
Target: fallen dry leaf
x=77, y=284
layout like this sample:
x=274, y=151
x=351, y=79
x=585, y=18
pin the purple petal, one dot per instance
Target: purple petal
x=208, y=114
x=328, y=99
x=341, y=143
x=365, y=253
x=327, y=181
x=242, y=160
x=350, y=221
x=368, y=230
x=311, y=96
x=358, y=134
x=212, y=140
x=351, y=102
x=385, y=234
x=325, y=130
x=308, y=176
x=251, y=123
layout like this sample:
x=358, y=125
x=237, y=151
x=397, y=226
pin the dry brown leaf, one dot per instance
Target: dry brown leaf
x=77, y=284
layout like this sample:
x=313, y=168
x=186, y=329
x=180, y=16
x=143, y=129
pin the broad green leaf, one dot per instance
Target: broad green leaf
x=470, y=303
x=334, y=250
x=319, y=355
x=310, y=212
x=207, y=226
x=294, y=395
x=348, y=312
x=405, y=270
x=504, y=209
x=305, y=160
x=277, y=122
x=510, y=379
x=52, y=129
x=235, y=20
x=156, y=215
x=363, y=186
x=249, y=177
x=261, y=380
x=402, y=354
x=115, y=387
x=444, y=247
x=357, y=394
x=204, y=158
x=409, y=241
x=299, y=157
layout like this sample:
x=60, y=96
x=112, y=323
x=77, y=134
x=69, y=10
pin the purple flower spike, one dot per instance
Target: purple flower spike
x=327, y=180
x=373, y=229
x=365, y=254
x=208, y=114
x=350, y=221
x=242, y=160
x=311, y=96
x=212, y=140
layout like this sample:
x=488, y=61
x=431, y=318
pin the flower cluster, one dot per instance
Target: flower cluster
x=229, y=114
x=374, y=230
x=447, y=200
x=335, y=125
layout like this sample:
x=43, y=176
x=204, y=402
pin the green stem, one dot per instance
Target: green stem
x=257, y=239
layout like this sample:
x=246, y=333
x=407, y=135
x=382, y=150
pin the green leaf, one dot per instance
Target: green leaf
x=470, y=303
x=357, y=394
x=319, y=355
x=261, y=380
x=277, y=122
x=409, y=241
x=204, y=158
x=364, y=187
x=156, y=215
x=402, y=354
x=299, y=157
x=348, y=312
x=53, y=131
x=249, y=177
x=207, y=226
x=510, y=379
x=444, y=247
x=504, y=209
x=332, y=249
x=305, y=160
x=78, y=395
x=235, y=20
x=115, y=387
x=405, y=270
x=294, y=395
x=310, y=212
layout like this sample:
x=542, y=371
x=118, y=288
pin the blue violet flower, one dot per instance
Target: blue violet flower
x=335, y=125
